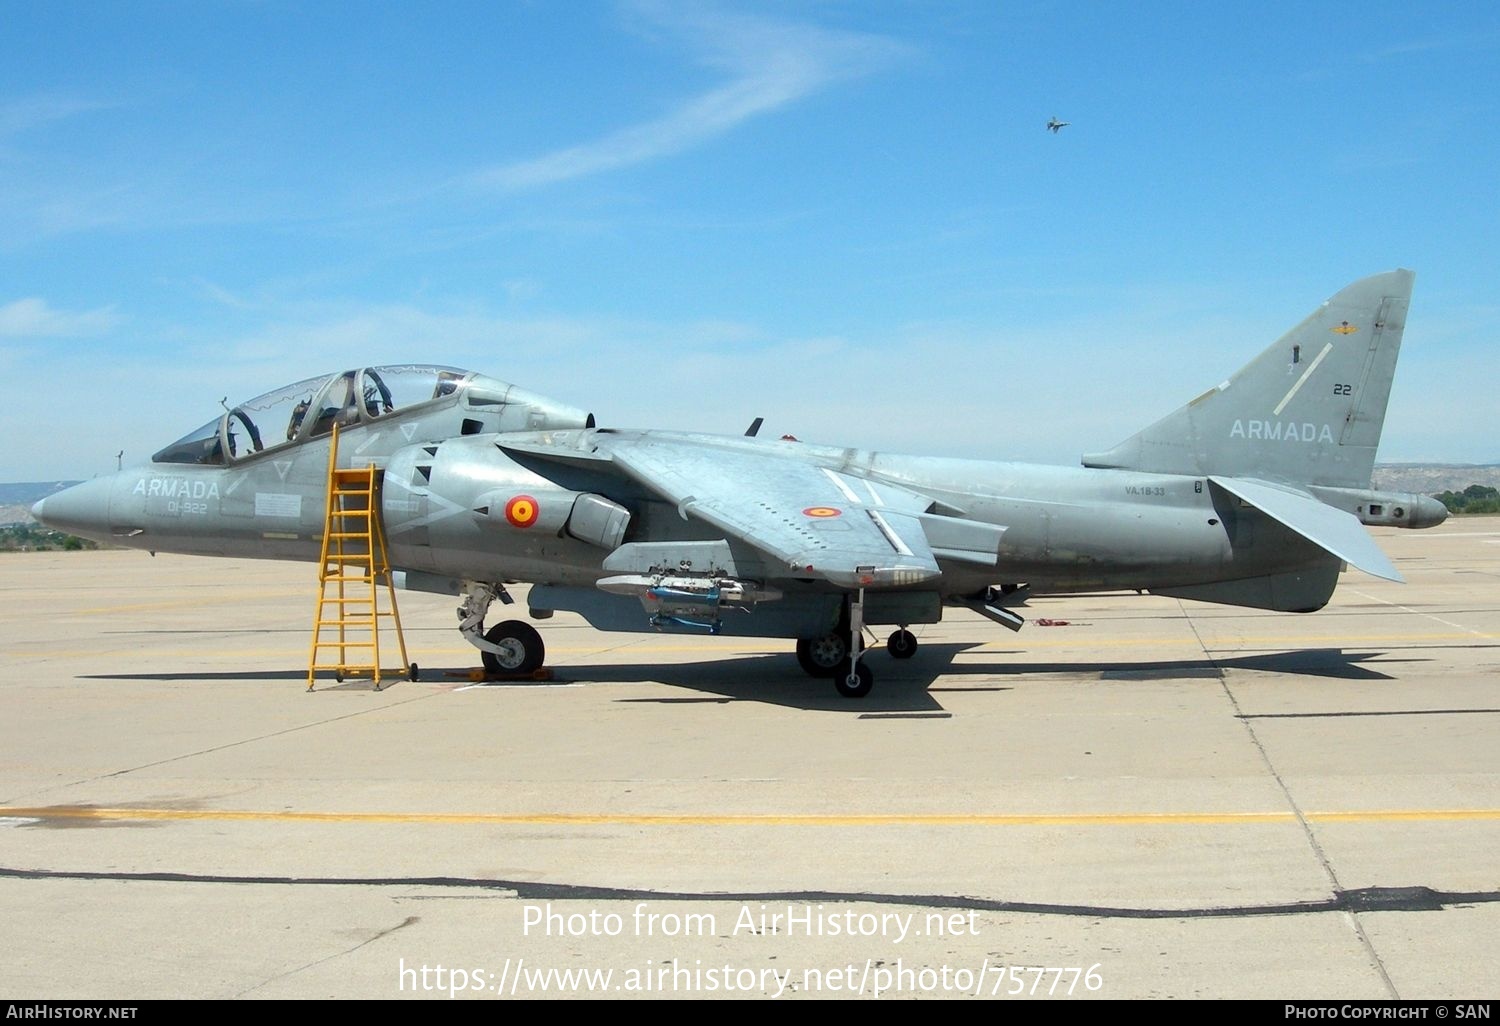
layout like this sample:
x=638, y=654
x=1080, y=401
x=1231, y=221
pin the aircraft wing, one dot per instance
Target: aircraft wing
x=812, y=521
x=1331, y=529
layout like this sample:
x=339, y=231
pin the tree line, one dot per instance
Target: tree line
x=1473, y=499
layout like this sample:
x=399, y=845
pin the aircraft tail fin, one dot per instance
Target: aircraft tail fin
x=1308, y=410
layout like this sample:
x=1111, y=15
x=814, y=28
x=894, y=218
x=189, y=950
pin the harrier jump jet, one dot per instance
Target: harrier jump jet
x=1253, y=494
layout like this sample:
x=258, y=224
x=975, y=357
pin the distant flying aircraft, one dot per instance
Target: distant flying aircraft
x=1055, y=125
x=1253, y=494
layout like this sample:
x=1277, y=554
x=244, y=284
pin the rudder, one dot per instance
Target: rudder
x=1307, y=410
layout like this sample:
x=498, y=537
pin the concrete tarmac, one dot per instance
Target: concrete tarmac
x=1153, y=799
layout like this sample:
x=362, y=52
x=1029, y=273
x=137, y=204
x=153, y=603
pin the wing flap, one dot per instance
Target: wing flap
x=1331, y=529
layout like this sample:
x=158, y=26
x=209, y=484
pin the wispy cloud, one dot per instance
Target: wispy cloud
x=770, y=64
x=1401, y=51
x=34, y=318
x=29, y=112
x=1468, y=42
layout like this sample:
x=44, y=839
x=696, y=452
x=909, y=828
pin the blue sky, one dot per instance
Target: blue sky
x=846, y=217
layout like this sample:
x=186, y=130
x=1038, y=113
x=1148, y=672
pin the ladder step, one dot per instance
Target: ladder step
x=354, y=565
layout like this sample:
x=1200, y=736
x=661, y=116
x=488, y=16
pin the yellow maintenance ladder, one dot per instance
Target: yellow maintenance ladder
x=352, y=572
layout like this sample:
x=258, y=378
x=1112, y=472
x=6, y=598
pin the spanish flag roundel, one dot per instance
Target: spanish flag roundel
x=521, y=511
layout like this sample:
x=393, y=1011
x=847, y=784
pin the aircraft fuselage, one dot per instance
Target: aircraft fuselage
x=1067, y=529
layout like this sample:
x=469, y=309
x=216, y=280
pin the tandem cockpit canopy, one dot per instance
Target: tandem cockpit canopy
x=309, y=409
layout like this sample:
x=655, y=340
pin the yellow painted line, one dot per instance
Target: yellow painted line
x=65, y=812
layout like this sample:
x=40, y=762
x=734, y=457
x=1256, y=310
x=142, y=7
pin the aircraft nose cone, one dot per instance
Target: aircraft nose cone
x=36, y=511
x=82, y=510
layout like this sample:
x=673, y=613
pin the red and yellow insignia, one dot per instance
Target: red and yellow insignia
x=1346, y=329
x=521, y=511
x=821, y=511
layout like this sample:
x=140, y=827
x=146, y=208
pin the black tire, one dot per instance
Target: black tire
x=902, y=644
x=822, y=657
x=857, y=684
x=413, y=672
x=525, y=649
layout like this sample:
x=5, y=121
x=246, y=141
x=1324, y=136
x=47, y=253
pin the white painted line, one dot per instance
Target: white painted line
x=1305, y=375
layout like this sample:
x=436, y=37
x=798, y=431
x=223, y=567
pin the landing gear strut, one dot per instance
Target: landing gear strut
x=857, y=681
x=839, y=653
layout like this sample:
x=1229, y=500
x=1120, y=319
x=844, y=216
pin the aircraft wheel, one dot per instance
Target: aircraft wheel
x=856, y=684
x=413, y=672
x=902, y=644
x=523, y=647
x=822, y=657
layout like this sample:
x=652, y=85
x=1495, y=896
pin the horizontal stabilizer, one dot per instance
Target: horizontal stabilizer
x=1333, y=530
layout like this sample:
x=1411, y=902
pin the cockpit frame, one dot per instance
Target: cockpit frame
x=351, y=398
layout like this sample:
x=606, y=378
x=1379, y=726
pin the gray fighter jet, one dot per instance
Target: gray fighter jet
x=1054, y=126
x=1253, y=494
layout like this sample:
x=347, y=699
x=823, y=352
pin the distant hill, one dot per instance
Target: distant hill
x=28, y=492
x=16, y=499
x=1432, y=478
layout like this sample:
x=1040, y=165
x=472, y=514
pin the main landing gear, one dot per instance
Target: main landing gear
x=511, y=647
x=840, y=653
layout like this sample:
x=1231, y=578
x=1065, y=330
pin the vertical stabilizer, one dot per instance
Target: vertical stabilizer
x=1308, y=410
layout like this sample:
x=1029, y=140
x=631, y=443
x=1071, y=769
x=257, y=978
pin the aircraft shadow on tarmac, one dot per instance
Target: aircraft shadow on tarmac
x=908, y=687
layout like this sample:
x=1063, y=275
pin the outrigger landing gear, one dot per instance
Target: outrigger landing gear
x=857, y=681
x=509, y=647
x=902, y=644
